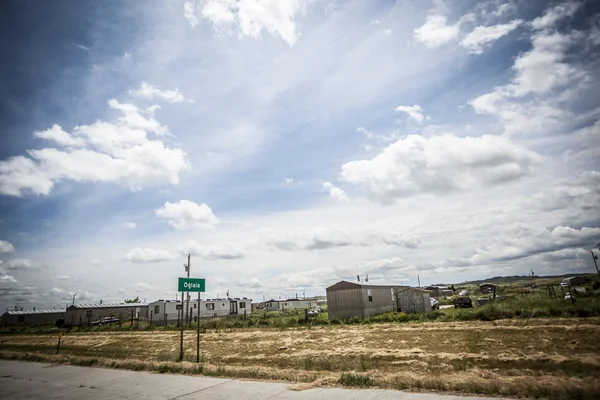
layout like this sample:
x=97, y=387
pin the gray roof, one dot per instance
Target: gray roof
x=108, y=305
x=35, y=312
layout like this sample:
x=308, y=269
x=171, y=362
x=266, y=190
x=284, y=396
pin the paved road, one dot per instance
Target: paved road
x=22, y=380
x=446, y=306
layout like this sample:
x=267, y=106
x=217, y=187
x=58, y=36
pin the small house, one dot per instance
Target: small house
x=575, y=281
x=487, y=288
x=438, y=291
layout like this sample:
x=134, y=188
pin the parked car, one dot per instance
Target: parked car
x=313, y=313
x=462, y=302
x=434, y=304
x=463, y=293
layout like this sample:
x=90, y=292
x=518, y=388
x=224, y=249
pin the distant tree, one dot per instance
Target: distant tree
x=452, y=288
x=136, y=300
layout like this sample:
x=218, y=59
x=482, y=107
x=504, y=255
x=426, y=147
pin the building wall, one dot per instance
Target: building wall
x=413, y=301
x=75, y=316
x=30, y=319
x=345, y=303
x=382, y=300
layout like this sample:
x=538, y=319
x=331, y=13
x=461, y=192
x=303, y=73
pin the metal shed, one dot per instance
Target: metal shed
x=81, y=314
x=31, y=318
x=412, y=300
x=348, y=299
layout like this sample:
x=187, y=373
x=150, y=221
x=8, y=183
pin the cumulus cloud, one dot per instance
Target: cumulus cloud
x=555, y=14
x=18, y=264
x=436, y=32
x=288, y=180
x=186, y=214
x=129, y=225
x=6, y=247
x=142, y=256
x=213, y=252
x=439, y=164
x=414, y=113
x=483, y=35
x=335, y=193
x=151, y=92
x=96, y=262
x=118, y=152
x=248, y=17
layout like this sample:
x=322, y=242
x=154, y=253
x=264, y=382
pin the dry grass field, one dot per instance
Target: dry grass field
x=553, y=358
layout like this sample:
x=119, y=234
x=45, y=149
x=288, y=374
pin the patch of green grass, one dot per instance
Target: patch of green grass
x=356, y=380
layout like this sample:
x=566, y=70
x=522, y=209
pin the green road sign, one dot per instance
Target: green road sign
x=191, y=285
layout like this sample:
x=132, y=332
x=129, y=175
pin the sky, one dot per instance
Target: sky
x=290, y=144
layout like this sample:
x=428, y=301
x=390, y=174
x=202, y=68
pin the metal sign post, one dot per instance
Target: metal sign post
x=181, y=326
x=198, y=333
x=58, y=345
x=191, y=285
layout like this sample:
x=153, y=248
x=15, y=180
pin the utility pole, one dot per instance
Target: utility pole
x=187, y=307
x=533, y=278
x=74, y=298
x=419, y=280
x=595, y=257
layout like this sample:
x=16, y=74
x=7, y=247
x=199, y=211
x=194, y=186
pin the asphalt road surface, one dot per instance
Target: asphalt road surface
x=23, y=380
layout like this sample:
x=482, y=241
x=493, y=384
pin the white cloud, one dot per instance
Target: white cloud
x=129, y=225
x=523, y=105
x=248, y=17
x=143, y=287
x=323, y=239
x=189, y=12
x=482, y=35
x=212, y=252
x=118, y=152
x=150, y=92
x=96, y=262
x=555, y=14
x=58, y=292
x=60, y=137
x=439, y=164
x=555, y=241
x=186, y=214
x=18, y=264
x=413, y=112
x=435, y=32
x=288, y=180
x=335, y=193
x=63, y=277
x=7, y=279
x=139, y=255
x=6, y=247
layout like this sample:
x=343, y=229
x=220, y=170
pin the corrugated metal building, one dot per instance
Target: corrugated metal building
x=78, y=314
x=31, y=318
x=348, y=299
x=290, y=304
x=412, y=300
x=168, y=310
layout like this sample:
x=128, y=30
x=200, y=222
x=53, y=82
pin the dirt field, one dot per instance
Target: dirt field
x=557, y=358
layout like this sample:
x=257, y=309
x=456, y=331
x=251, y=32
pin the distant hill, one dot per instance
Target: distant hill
x=499, y=280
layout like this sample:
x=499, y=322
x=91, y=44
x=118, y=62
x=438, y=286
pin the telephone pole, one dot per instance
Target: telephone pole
x=187, y=307
x=595, y=257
